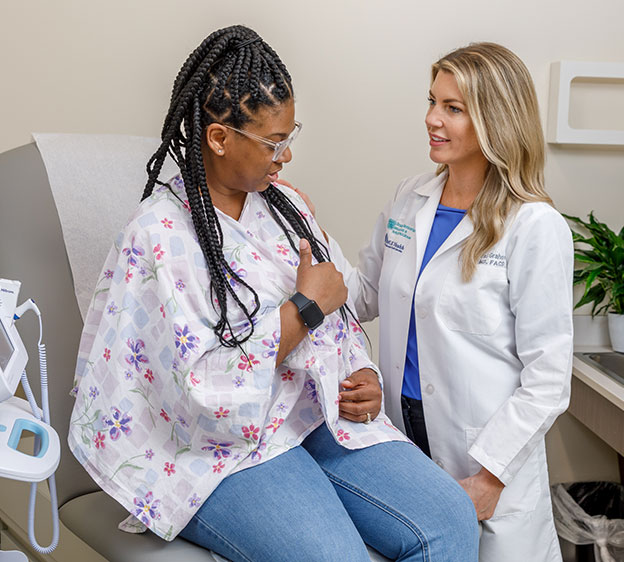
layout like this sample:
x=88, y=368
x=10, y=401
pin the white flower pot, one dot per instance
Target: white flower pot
x=616, y=331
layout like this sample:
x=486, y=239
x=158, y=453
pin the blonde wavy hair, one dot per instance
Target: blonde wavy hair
x=500, y=97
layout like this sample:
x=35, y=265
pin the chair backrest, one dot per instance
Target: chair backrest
x=32, y=251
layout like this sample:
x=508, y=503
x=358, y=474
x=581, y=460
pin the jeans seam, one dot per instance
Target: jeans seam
x=408, y=523
x=199, y=520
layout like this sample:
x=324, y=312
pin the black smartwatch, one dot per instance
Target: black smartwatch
x=310, y=312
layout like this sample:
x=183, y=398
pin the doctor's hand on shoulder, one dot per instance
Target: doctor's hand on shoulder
x=484, y=490
x=361, y=395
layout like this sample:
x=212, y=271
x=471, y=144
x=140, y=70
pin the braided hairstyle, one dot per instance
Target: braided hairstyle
x=228, y=77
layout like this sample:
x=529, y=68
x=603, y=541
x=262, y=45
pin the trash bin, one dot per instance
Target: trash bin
x=591, y=516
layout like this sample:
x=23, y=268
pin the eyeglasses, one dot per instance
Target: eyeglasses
x=278, y=147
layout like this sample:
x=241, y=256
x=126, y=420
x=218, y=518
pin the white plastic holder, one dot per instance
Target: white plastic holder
x=13, y=556
x=616, y=331
x=15, y=418
x=562, y=74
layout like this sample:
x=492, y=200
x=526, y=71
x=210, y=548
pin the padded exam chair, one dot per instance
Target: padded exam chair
x=32, y=251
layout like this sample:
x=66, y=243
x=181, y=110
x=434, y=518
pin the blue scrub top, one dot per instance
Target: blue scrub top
x=445, y=221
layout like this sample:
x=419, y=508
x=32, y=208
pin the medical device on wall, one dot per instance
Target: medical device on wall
x=18, y=416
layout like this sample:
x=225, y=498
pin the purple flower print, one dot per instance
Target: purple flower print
x=272, y=344
x=310, y=386
x=93, y=391
x=260, y=215
x=182, y=421
x=281, y=407
x=133, y=253
x=118, y=424
x=239, y=381
x=108, y=274
x=194, y=500
x=240, y=272
x=135, y=358
x=179, y=285
x=149, y=454
x=112, y=308
x=256, y=455
x=342, y=332
x=147, y=506
x=219, y=450
x=316, y=336
x=185, y=341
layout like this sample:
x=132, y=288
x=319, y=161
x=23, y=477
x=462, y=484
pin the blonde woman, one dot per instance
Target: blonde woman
x=470, y=272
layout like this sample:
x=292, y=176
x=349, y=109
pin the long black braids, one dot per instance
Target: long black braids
x=228, y=77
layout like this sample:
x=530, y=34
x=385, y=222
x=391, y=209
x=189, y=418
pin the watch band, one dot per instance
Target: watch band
x=310, y=312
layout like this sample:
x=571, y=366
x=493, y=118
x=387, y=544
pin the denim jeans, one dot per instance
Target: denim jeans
x=322, y=502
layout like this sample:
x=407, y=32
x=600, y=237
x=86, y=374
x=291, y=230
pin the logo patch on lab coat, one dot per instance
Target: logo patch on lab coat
x=397, y=235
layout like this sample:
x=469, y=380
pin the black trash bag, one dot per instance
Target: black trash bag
x=591, y=513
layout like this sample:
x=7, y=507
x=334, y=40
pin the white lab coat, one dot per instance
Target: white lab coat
x=495, y=353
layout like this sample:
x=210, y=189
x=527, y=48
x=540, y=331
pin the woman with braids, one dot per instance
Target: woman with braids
x=223, y=389
x=478, y=367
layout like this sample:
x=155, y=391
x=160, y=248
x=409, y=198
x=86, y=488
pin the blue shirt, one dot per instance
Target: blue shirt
x=445, y=221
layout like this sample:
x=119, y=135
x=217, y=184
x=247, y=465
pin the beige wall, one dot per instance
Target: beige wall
x=360, y=69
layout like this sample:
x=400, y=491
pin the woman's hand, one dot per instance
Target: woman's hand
x=301, y=194
x=484, y=490
x=361, y=395
x=322, y=282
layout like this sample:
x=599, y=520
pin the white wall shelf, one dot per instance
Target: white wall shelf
x=562, y=74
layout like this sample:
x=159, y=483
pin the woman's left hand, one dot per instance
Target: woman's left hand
x=484, y=490
x=361, y=395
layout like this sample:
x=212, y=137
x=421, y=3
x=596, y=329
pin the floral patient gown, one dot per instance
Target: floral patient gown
x=163, y=411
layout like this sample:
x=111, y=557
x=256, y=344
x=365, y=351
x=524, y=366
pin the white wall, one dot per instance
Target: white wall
x=360, y=69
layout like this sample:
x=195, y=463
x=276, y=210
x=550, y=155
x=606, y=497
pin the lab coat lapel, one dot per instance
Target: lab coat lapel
x=425, y=215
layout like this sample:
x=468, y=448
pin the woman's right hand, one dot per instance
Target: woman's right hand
x=322, y=282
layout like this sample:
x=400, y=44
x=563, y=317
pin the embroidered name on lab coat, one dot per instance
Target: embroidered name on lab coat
x=494, y=259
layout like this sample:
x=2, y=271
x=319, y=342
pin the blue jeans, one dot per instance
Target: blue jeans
x=322, y=502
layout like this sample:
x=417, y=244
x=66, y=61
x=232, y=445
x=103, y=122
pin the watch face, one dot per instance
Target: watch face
x=312, y=315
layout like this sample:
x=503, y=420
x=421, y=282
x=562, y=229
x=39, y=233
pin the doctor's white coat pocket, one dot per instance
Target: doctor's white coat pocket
x=473, y=307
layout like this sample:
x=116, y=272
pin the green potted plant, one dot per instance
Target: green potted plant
x=601, y=253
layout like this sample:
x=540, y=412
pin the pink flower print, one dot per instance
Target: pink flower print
x=106, y=354
x=99, y=440
x=256, y=256
x=194, y=380
x=251, y=432
x=149, y=375
x=135, y=357
x=247, y=363
x=356, y=329
x=179, y=285
x=133, y=253
x=283, y=250
x=221, y=412
x=288, y=375
x=162, y=310
x=309, y=362
x=164, y=415
x=169, y=468
x=219, y=450
x=119, y=423
x=342, y=435
x=128, y=276
x=275, y=424
x=187, y=205
x=194, y=500
x=339, y=351
x=158, y=252
x=167, y=223
x=145, y=507
x=185, y=341
x=108, y=274
x=218, y=467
